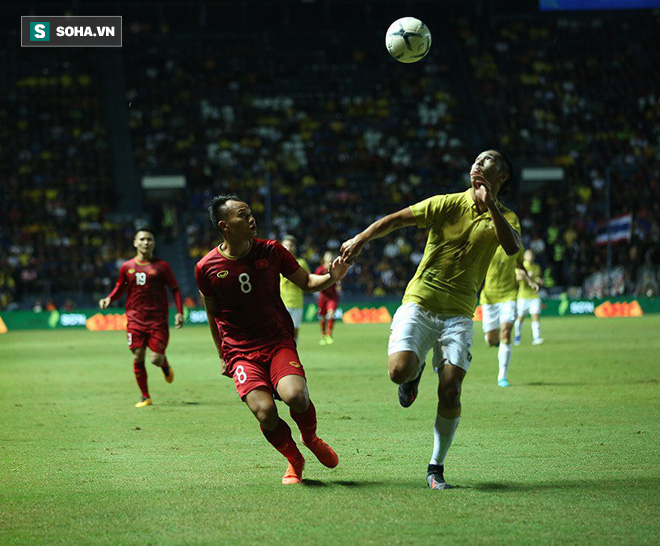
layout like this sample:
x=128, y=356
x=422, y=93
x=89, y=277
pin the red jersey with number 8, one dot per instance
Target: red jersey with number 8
x=247, y=291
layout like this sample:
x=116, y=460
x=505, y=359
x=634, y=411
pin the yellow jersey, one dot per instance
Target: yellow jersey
x=292, y=296
x=526, y=292
x=501, y=284
x=459, y=248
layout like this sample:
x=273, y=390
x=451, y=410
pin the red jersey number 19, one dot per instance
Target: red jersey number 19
x=140, y=278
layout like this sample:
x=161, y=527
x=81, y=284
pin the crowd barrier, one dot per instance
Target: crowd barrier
x=350, y=312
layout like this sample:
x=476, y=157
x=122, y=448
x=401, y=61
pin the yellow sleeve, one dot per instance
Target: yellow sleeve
x=430, y=211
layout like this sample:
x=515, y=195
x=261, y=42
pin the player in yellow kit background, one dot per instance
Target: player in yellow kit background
x=498, y=304
x=292, y=296
x=529, y=300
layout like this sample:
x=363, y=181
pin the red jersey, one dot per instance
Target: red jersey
x=146, y=301
x=252, y=314
x=331, y=292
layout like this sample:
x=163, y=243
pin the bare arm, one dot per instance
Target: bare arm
x=397, y=220
x=310, y=282
x=523, y=274
x=211, y=306
x=508, y=237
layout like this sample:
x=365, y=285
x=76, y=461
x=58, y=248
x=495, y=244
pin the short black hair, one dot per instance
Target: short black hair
x=144, y=227
x=218, y=208
x=507, y=163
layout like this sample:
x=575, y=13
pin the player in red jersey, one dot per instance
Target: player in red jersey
x=253, y=331
x=145, y=278
x=328, y=302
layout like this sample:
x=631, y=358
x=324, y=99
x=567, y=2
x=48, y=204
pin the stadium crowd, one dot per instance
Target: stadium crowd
x=333, y=136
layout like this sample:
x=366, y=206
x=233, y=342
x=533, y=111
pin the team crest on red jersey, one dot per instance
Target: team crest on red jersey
x=222, y=274
x=131, y=271
x=261, y=264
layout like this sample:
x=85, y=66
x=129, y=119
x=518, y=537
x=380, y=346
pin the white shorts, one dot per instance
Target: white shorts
x=296, y=315
x=419, y=330
x=531, y=306
x=495, y=314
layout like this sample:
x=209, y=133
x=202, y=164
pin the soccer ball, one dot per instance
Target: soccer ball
x=408, y=40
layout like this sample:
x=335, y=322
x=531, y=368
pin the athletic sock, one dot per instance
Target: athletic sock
x=331, y=323
x=281, y=439
x=166, y=364
x=536, y=329
x=516, y=326
x=322, y=322
x=503, y=358
x=306, y=422
x=443, y=434
x=141, y=377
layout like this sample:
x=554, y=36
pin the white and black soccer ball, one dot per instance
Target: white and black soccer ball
x=408, y=40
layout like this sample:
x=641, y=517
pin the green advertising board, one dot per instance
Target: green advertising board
x=351, y=312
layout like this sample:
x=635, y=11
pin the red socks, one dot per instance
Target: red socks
x=322, y=323
x=331, y=323
x=281, y=439
x=141, y=377
x=306, y=422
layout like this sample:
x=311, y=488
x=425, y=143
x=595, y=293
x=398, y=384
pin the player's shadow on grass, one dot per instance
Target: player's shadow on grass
x=345, y=483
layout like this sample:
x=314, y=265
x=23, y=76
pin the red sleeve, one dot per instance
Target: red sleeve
x=170, y=279
x=288, y=264
x=202, y=282
x=320, y=270
x=178, y=300
x=120, y=287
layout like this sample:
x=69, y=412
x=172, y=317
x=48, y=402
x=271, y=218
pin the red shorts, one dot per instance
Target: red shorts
x=327, y=307
x=263, y=367
x=156, y=338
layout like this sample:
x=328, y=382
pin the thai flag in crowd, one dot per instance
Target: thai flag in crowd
x=620, y=229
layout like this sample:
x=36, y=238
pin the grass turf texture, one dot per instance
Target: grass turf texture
x=568, y=454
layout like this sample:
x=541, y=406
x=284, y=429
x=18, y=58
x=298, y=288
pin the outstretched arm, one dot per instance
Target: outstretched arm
x=397, y=220
x=310, y=282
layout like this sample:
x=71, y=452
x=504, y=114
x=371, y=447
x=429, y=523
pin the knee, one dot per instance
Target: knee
x=138, y=356
x=296, y=399
x=157, y=359
x=398, y=375
x=492, y=338
x=449, y=393
x=266, y=414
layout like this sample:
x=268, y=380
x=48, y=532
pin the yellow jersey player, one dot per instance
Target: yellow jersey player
x=498, y=304
x=292, y=296
x=528, y=297
x=465, y=229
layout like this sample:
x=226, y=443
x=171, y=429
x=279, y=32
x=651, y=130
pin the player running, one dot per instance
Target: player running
x=253, y=332
x=292, y=296
x=498, y=304
x=529, y=300
x=465, y=229
x=145, y=278
x=328, y=302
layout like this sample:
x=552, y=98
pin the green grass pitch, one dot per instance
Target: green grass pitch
x=569, y=454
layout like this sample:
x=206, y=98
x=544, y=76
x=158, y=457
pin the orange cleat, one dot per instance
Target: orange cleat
x=294, y=471
x=169, y=374
x=324, y=453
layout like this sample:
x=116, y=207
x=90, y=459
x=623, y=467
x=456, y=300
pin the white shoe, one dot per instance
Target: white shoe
x=537, y=341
